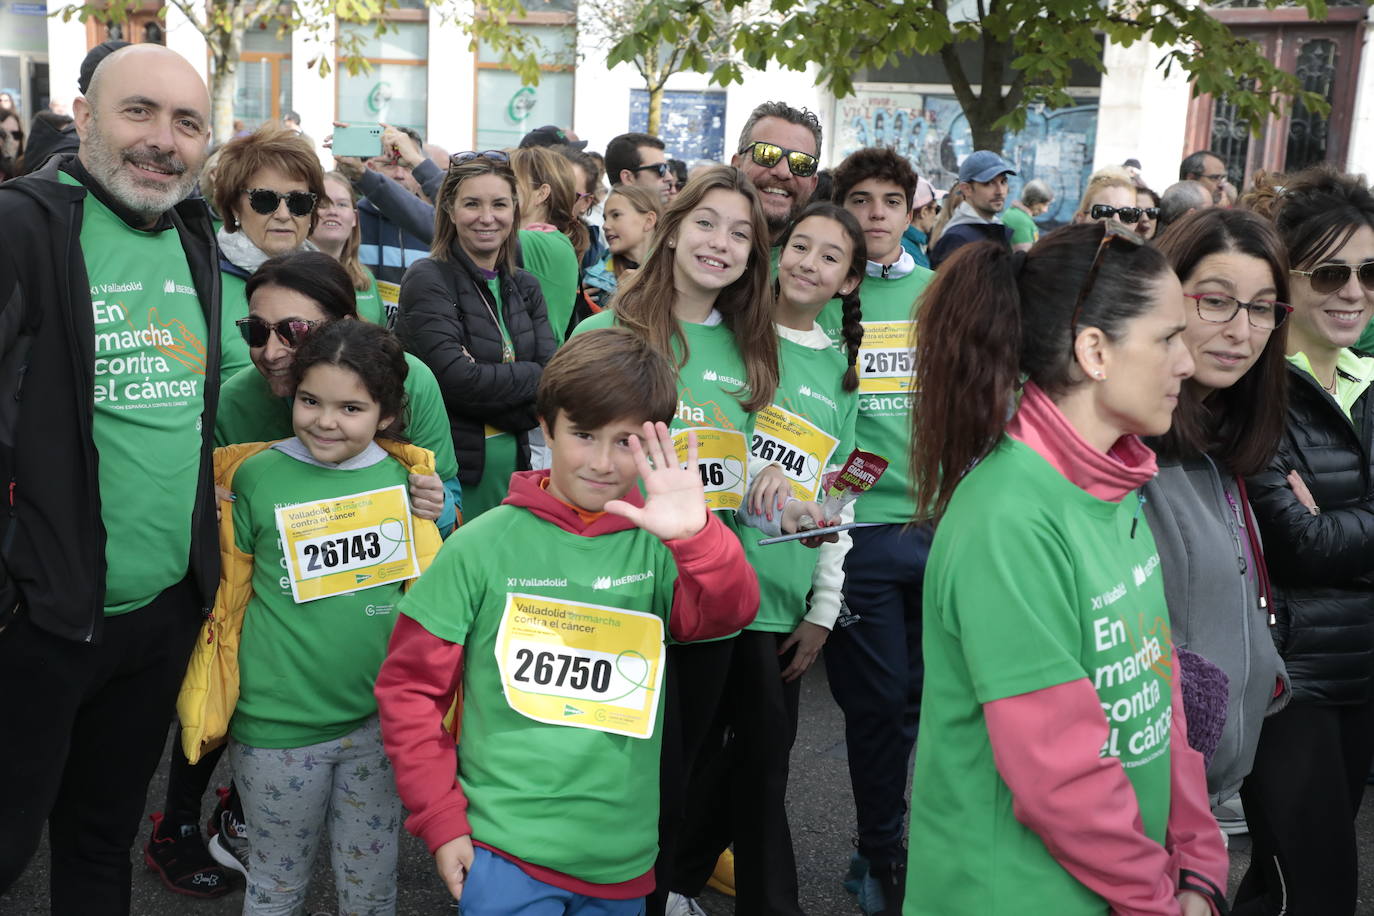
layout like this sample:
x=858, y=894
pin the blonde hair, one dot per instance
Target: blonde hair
x=348, y=255
x=539, y=165
x=642, y=201
x=1113, y=176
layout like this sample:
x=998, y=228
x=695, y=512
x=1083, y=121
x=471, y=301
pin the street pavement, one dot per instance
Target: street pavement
x=819, y=802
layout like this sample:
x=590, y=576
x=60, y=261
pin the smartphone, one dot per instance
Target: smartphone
x=815, y=532
x=363, y=141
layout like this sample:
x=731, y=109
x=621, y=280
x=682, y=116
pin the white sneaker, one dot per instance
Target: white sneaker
x=678, y=905
x=1230, y=817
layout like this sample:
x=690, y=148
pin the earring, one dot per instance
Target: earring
x=1099, y=376
x=672, y=244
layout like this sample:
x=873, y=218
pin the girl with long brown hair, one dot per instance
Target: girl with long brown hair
x=1053, y=739
x=703, y=295
x=552, y=238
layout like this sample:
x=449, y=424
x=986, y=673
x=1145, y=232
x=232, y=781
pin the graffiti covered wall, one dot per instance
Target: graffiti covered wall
x=1056, y=145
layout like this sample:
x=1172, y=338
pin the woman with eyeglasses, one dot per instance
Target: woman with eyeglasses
x=337, y=235
x=479, y=322
x=552, y=239
x=1053, y=772
x=268, y=185
x=1315, y=505
x=1229, y=420
x=1110, y=194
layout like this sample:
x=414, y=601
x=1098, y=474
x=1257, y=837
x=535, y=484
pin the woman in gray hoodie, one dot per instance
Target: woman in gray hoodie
x=1229, y=419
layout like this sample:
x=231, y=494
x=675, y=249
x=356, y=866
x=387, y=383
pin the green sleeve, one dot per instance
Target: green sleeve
x=429, y=426
x=370, y=306
x=1023, y=227
x=446, y=598
x=1005, y=592
x=233, y=306
x=249, y=412
x=553, y=261
x=603, y=319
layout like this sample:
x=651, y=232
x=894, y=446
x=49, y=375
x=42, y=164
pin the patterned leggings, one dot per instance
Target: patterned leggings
x=289, y=793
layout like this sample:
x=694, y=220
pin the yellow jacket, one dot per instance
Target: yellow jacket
x=210, y=690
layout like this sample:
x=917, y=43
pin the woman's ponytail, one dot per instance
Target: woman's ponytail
x=852, y=330
x=967, y=369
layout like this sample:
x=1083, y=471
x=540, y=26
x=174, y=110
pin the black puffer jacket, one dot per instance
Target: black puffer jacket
x=444, y=319
x=1322, y=565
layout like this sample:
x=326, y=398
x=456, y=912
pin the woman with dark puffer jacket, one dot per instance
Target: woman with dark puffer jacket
x=1315, y=506
x=480, y=324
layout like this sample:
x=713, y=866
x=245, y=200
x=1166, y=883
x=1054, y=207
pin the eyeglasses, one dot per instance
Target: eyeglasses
x=1127, y=214
x=290, y=331
x=1330, y=277
x=674, y=186
x=495, y=155
x=266, y=201
x=803, y=165
x=1220, y=176
x=1111, y=231
x=660, y=167
x=1218, y=308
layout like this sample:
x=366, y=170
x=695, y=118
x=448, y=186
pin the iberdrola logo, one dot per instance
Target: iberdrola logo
x=602, y=582
x=170, y=286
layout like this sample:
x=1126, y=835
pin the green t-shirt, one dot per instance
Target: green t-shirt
x=1023, y=227
x=550, y=256
x=885, y=366
x=1032, y=583
x=502, y=452
x=250, y=412
x=370, y=307
x=234, y=305
x=580, y=801
x=810, y=389
x=305, y=670
x=150, y=352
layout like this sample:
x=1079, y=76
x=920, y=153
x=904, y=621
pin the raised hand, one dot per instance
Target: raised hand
x=674, y=499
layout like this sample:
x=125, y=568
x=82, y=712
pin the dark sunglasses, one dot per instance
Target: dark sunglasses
x=1330, y=277
x=290, y=331
x=660, y=167
x=1219, y=308
x=266, y=201
x=17, y=134
x=1127, y=214
x=803, y=165
x=495, y=155
x=1111, y=231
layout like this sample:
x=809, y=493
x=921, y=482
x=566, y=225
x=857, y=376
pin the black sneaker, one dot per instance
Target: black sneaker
x=229, y=834
x=179, y=857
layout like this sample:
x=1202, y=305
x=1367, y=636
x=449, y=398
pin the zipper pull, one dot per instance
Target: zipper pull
x=1135, y=520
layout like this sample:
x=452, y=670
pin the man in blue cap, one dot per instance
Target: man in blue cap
x=983, y=182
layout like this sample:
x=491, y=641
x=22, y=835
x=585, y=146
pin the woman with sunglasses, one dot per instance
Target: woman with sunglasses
x=1314, y=503
x=1110, y=194
x=337, y=235
x=1053, y=772
x=267, y=187
x=1147, y=202
x=1229, y=420
x=479, y=322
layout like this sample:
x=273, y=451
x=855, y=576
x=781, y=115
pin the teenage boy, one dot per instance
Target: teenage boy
x=873, y=656
x=550, y=612
x=983, y=182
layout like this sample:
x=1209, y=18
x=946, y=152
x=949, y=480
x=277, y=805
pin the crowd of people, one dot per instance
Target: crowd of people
x=454, y=492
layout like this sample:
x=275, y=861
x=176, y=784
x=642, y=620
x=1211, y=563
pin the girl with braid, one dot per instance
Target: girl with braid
x=739, y=787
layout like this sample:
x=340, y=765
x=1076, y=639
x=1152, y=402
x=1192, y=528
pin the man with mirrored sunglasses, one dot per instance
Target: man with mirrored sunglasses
x=779, y=149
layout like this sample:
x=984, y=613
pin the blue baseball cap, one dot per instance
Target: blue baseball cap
x=984, y=165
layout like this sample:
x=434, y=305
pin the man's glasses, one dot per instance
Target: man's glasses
x=803, y=165
x=1127, y=214
x=495, y=155
x=1218, y=308
x=1111, y=231
x=661, y=168
x=266, y=201
x=1330, y=277
x=290, y=331
x=1220, y=176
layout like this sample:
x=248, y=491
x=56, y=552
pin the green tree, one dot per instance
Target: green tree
x=1027, y=48
x=223, y=24
x=705, y=48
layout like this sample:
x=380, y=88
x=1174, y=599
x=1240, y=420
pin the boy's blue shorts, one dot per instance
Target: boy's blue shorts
x=497, y=887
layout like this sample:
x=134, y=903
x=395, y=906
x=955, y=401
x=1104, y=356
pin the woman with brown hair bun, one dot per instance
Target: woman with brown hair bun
x=552, y=238
x=1053, y=770
x=1229, y=420
x=268, y=186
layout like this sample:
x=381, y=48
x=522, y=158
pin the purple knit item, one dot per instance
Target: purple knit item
x=1206, y=693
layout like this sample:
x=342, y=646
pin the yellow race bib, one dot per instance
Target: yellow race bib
x=390, y=294
x=800, y=447
x=723, y=458
x=336, y=546
x=885, y=357
x=581, y=665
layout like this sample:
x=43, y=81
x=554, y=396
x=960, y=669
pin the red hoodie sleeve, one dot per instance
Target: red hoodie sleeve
x=1047, y=745
x=414, y=689
x=717, y=592
x=1192, y=838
